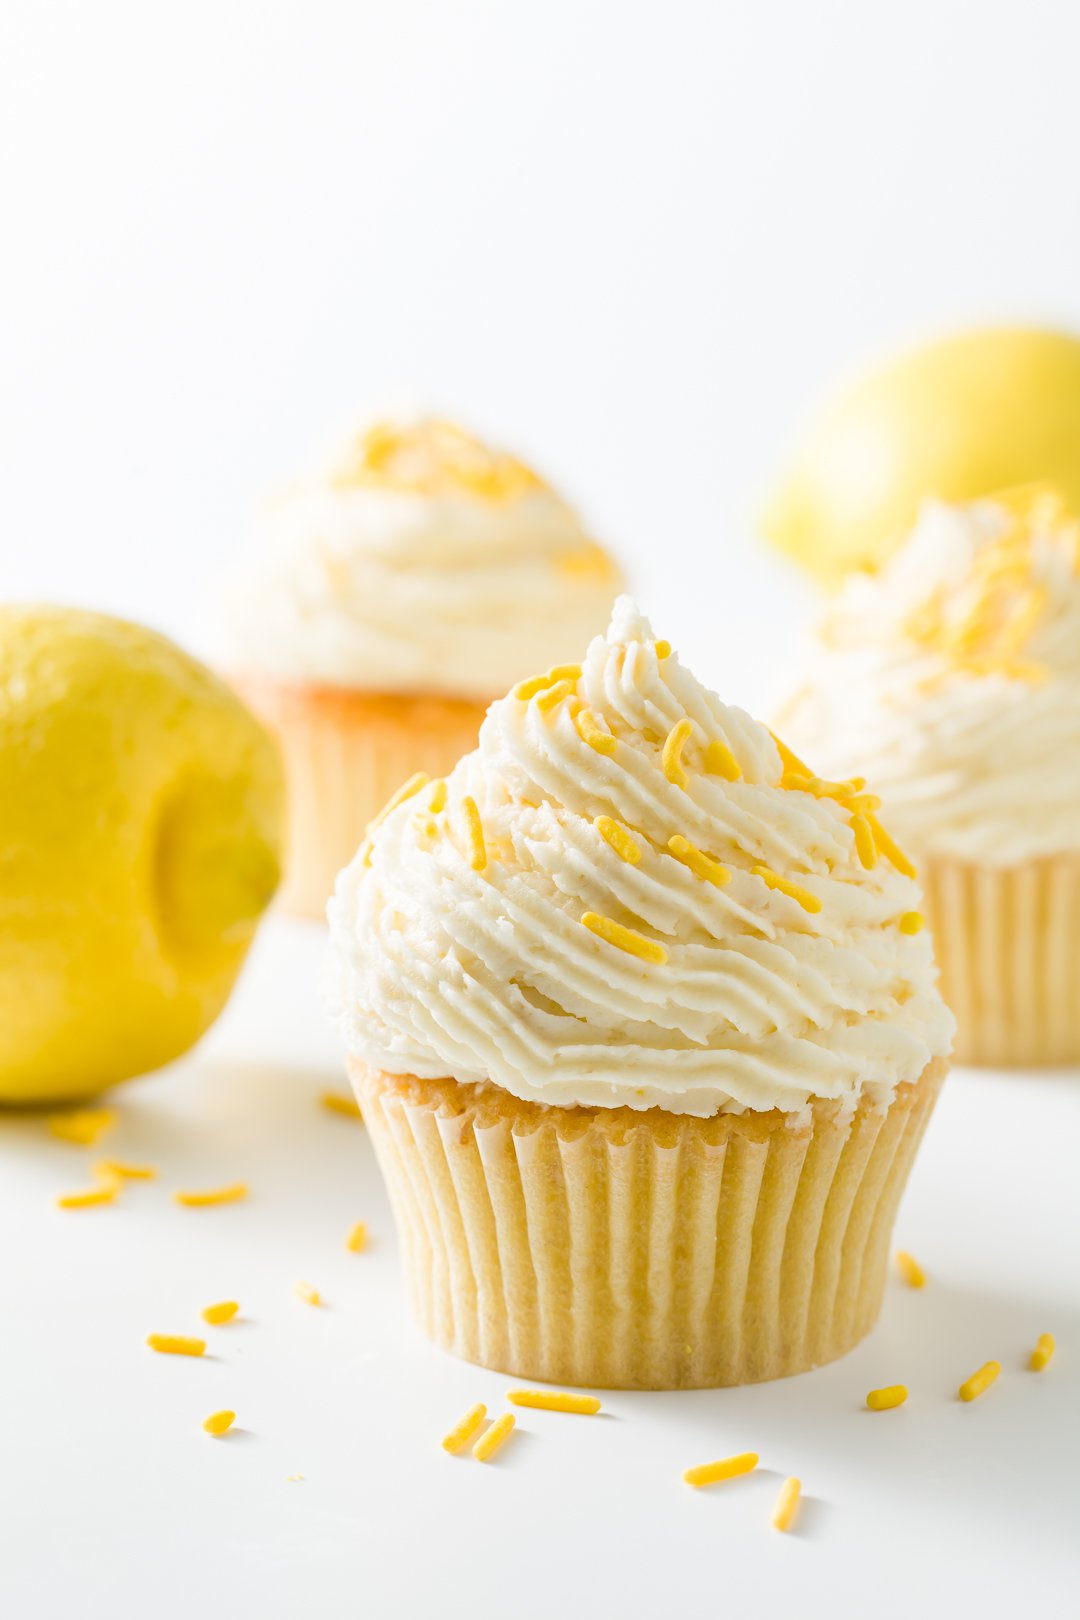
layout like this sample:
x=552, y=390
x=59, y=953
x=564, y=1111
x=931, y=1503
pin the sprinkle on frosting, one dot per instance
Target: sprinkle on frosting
x=571, y=973
x=675, y=742
x=553, y=695
x=437, y=796
x=864, y=842
x=890, y=848
x=1043, y=1353
x=474, y=832
x=720, y=761
x=980, y=1381
x=662, y=649
x=912, y=922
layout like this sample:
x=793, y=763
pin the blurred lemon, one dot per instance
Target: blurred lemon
x=959, y=418
x=140, y=837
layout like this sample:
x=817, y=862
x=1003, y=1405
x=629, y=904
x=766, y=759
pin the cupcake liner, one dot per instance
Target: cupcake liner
x=630, y=1250
x=1008, y=946
x=345, y=754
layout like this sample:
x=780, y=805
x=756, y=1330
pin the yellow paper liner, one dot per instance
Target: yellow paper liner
x=1007, y=942
x=609, y=1248
x=345, y=754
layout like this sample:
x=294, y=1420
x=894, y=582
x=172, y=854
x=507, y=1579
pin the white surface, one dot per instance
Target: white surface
x=113, y=1500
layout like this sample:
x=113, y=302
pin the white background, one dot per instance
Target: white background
x=634, y=242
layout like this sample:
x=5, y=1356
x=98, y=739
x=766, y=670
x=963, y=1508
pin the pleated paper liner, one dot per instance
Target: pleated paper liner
x=345, y=754
x=616, y=1249
x=1007, y=942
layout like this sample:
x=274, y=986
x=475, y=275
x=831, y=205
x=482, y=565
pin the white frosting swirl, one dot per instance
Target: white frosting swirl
x=448, y=568
x=976, y=755
x=490, y=975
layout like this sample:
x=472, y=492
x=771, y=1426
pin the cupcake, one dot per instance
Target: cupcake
x=644, y=1048
x=953, y=679
x=388, y=600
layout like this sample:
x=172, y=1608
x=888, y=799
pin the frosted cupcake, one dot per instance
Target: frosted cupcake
x=389, y=599
x=953, y=679
x=644, y=1048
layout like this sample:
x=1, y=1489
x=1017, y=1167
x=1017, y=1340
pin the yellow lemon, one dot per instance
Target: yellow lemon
x=959, y=418
x=140, y=837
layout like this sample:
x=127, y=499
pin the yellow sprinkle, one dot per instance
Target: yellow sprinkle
x=1043, y=1353
x=662, y=649
x=222, y=1312
x=789, y=760
x=720, y=761
x=475, y=831
x=341, y=1102
x=551, y=1400
x=618, y=837
x=489, y=1443
x=356, y=1241
x=671, y=758
x=626, y=939
x=309, y=1295
x=115, y=1169
x=589, y=732
x=912, y=922
x=864, y=841
x=464, y=1429
x=175, y=1344
x=727, y=1468
x=702, y=865
x=883, y=1400
x=554, y=695
x=82, y=1126
x=103, y=1193
x=980, y=1381
x=794, y=891
x=405, y=791
x=787, y=1504
x=564, y=672
x=910, y=1269
x=232, y=1194
x=293, y=1479
x=437, y=800
x=889, y=848
x=524, y=690
x=219, y=1422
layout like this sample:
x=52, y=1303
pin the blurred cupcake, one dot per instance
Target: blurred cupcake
x=391, y=597
x=953, y=679
x=644, y=1048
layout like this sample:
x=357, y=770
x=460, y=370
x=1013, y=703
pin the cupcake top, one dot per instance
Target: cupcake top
x=419, y=560
x=632, y=895
x=953, y=679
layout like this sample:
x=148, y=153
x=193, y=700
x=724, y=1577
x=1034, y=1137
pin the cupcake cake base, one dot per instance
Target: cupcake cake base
x=630, y=1250
x=345, y=753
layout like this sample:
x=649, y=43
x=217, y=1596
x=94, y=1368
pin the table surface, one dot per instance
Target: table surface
x=332, y=1496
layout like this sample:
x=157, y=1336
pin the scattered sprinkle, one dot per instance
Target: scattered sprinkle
x=116, y=1170
x=202, y=1199
x=553, y=1400
x=671, y=757
x=980, y=1381
x=702, y=865
x=82, y=1126
x=356, y=1242
x=294, y=1479
x=222, y=1312
x=618, y=837
x=890, y=848
x=864, y=841
x=589, y=732
x=489, y=1442
x=794, y=891
x=912, y=922
x=474, y=830
x=104, y=1193
x=720, y=761
x=625, y=939
x=1043, y=1353
x=787, y=1504
x=464, y=1429
x=662, y=649
x=883, y=1400
x=175, y=1344
x=437, y=800
x=219, y=1422
x=309, y=1295
x=727, y=1468
x=341, y=1102
x=910, y=1269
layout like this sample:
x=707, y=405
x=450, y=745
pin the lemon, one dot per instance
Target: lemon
x=959, y=418
x=140, y=836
